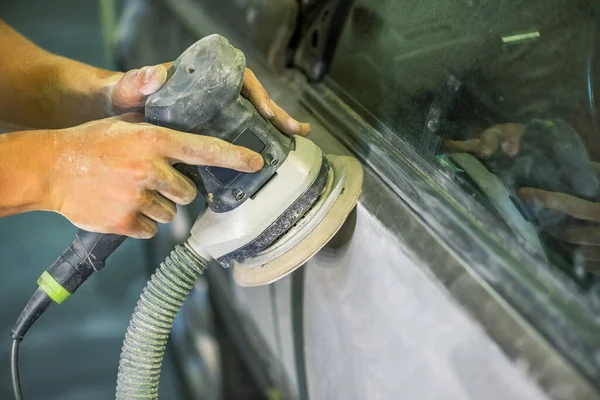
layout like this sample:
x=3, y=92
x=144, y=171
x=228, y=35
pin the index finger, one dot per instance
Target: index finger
x=571, y=205
x=205, y=150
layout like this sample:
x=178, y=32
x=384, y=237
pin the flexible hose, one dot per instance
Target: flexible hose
x=152, y=321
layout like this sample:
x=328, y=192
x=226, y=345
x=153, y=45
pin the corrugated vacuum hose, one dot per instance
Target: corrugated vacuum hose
x=152, y=321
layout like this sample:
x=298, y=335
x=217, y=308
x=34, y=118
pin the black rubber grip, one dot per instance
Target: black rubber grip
x=202, y=96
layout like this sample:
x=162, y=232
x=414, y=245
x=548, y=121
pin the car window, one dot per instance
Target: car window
x=500, y=96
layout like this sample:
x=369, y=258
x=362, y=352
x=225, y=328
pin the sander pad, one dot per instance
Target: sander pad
x=318, y=225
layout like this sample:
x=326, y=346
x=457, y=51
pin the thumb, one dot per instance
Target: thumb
x=131, y=91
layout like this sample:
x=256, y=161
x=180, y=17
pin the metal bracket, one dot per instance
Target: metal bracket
x=319, y=27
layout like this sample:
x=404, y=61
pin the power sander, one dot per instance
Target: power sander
x=264, y=225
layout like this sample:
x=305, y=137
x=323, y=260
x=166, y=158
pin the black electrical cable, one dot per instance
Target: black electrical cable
x=86, y=254
x=14, y=370
x=35, y=307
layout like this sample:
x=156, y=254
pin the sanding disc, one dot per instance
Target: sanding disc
x=346, y=186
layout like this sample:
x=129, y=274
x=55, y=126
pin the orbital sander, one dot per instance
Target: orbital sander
x=264, y=225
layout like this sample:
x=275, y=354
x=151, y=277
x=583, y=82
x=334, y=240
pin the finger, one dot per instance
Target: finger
x=490, y=141
x=574, y=206
x=463, y=146
x=588, y=257
x=512, y=134
x=287, y=124
x=158, y=208
x=173, y=185
x=593, y=267
x=587, y=235
x=135, y=86
x=204, y=150
x=254, y=91
x=144, y=228
x=588, y=253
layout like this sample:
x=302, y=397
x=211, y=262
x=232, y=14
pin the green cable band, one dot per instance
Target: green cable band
x=48, y=284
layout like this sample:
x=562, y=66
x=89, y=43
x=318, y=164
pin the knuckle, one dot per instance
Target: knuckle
x=142, y=200
x=140, y=175
x=128, y=77
x=149, y=166
x=145, y=171
x=147, y=135
x=126, y=225
x=189, y=150
x=212, y=151
x=147, y=201
x=133, y=72
x=157, y=176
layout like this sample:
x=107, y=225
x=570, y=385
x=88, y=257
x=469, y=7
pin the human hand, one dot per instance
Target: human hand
x=117, y=176
x=128, y=93
x=579, y=233
x=504, y=136
x=581, y=238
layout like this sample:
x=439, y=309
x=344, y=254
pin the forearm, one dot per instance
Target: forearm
x=26, y=160
x=40, y=89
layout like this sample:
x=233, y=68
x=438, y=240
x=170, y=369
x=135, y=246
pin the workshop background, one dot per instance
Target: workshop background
x=73, y=350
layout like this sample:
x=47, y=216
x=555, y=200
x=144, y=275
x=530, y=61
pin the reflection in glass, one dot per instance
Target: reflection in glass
x=500, y=94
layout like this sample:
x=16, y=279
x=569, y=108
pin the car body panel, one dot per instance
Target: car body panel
x=379, y=327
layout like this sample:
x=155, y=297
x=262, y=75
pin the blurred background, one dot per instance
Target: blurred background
x=73, y=351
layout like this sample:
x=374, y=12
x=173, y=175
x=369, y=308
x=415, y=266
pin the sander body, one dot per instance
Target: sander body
x=248, y=213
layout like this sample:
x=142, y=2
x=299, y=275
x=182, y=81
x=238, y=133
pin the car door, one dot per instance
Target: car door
x=418, y=294
x=405, y=77
x=427, y=292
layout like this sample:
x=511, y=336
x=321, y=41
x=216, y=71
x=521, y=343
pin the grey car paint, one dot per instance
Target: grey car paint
x=392, y=332
x=394, y=313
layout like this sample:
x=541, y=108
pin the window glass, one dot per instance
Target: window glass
x=500, y=95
